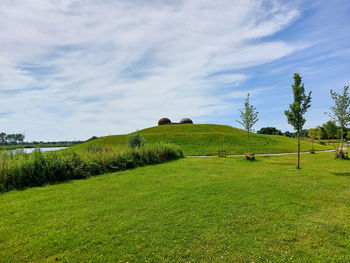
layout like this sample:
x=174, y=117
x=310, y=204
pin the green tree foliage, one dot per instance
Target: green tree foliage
x=324, y=133
x=331, y=129
x=340, y=112
x=248, y=117
x=304, y=133
x=2, y=138
x=298, y=108
x=320, y=133
x=288, y=134
x=270, y=131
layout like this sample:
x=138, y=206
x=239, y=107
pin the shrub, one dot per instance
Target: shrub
x=19, y=170
x=136, y=140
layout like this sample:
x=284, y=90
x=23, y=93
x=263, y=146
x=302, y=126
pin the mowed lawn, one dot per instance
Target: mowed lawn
x=190, y=210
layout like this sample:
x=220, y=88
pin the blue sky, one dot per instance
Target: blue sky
x=72, y=69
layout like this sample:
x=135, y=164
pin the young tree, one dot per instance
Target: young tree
x=248, y=117
x=297, y=109
x=340, y=112
x=313, y=135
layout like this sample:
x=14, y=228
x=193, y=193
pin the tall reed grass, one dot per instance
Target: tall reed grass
x=18, y=169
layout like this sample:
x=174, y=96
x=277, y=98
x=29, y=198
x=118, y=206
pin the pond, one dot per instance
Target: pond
x=43, y=149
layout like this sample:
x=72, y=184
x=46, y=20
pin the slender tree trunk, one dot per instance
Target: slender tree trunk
x=248, y=142
x=312, y=144
x=298, y=138
x=342, y=138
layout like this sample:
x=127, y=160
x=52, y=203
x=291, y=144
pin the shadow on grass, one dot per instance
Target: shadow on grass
x=341, y=174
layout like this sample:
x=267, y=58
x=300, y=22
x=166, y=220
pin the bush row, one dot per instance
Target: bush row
x=18, y=170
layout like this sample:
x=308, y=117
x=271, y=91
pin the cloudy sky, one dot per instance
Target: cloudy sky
x=72, y=69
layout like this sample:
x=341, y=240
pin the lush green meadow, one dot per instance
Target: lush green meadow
x=189, y=210
x=204, y=139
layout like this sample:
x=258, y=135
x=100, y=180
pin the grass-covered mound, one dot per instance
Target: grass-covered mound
x=19, y=169
x=204, y=139
x=190, y=210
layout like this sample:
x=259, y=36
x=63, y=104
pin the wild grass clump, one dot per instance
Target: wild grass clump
x=18, y=170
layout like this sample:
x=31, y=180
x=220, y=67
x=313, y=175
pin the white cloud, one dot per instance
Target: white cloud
x=99, y=67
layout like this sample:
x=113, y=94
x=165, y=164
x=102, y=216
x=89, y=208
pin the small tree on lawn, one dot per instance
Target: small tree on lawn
x=297, y=109
x=248, y=118
x=340, y=112
x=313, y=135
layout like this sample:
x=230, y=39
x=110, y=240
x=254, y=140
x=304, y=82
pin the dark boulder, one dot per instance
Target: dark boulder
x=164, y=121
x=186, y=121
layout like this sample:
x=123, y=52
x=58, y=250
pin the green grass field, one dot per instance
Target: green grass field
x=203, y=139
x=189, y=210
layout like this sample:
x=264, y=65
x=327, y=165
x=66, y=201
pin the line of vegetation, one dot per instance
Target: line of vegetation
x=18, y=170
x=14, y=140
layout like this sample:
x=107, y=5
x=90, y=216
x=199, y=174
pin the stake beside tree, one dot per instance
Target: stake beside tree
x=297, y=109
x=248, y=118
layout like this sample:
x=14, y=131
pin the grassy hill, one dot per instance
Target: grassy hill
x=203, y=139
x=189, y=210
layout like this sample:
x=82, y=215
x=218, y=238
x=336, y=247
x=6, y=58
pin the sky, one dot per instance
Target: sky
x=73, y=69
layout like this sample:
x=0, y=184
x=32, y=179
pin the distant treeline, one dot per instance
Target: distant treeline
x=275, y=131
x=10, y=139
x=18, y=139
x=326, y=131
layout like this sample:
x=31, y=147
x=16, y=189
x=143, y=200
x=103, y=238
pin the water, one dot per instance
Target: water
x=43, y=149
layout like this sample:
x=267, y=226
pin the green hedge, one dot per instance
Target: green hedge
x=18, y=170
